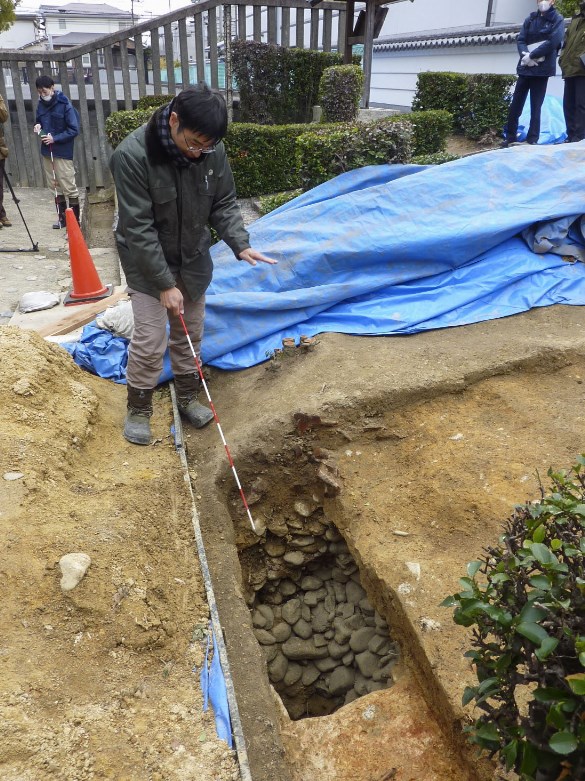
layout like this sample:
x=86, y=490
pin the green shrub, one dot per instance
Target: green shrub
x=525, y=600
x=262, y=157
x=121, y=123
x=153, y=101
x=340, y=90
x=486, y=104
x=269, y=203
x=278, y=85
x=328, y=152
x=441, y=90
x=431, y=130
x=435, y=159
x=479, y=102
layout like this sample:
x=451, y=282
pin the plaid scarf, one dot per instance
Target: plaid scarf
x=164, y=133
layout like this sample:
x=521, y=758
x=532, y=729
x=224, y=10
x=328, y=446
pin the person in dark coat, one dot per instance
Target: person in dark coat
x=57, y=125
x=573, y=71
x=538, y=43
x=173, y=180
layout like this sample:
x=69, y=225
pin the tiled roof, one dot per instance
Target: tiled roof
x=447, y=37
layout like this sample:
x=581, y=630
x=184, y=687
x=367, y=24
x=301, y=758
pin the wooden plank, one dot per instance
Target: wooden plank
x=257, y=23
x=185, y=76
x=285, y=27
x=199, y=48
x=242, y=23
x=155, y=50
x=170, y=58
x=81, y=315
x=327, y=28
x=125, y=62
x=314, y=38
x=368, y=49
x=23, y=124
x=300, y=28
x=349, y=25
x=84, y=140
x=341, y=27
x=109, y=60
x=140, y=68
x=99, y=115
x=271, y=24
x=212, y=34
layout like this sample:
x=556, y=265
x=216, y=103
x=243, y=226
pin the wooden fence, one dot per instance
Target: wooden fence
x=161, y=56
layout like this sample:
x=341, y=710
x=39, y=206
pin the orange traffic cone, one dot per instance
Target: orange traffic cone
x=86, y=282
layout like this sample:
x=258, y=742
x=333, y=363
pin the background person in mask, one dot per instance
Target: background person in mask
x=172, y=179
x=57, y=125
x=573, y=71
x=538, y=43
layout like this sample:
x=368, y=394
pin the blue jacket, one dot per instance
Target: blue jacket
x=549, y=28
x=59, y=118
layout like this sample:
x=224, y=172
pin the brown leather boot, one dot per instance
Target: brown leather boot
x=187, y=387
x=137, y=424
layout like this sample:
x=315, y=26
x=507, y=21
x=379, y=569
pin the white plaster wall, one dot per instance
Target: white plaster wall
x=21, y=32
x=395, y=73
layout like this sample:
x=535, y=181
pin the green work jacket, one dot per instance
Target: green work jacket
x=164, y=213
x=573, y=48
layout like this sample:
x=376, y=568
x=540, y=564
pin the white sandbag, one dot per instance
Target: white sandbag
x=117, y=319
x=33, y=302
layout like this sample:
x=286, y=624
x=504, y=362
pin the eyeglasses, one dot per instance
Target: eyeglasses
x=205, y=150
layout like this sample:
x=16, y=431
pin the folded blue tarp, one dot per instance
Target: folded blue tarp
x=401, y=249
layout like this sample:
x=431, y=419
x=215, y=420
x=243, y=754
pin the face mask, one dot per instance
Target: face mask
x=543, y=7
x=46, y=98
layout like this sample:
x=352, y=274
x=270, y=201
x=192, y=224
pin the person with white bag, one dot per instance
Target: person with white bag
x=538, y=43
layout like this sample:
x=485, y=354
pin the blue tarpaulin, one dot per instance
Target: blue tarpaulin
x=401, y=249
x=553, y=129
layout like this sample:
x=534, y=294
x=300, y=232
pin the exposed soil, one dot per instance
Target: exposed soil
x=434, y=438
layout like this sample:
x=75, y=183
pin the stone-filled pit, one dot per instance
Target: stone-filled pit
x=324, y=643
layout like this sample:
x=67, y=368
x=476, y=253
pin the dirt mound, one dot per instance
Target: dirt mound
x=96, y=682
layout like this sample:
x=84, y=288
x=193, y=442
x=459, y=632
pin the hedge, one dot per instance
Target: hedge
x=153, y=101
x=268, y=159
x=262, y=157
x=328, y=152
x=340, y=90
x=278, y=85
x=479, y=102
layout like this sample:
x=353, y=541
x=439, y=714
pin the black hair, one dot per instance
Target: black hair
x=44, y=82
x=201, y=110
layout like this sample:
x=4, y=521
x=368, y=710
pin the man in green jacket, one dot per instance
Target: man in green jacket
x=574, y=75
x=172, y=179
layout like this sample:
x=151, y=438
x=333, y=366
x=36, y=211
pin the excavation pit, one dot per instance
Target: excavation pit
x=324, y=642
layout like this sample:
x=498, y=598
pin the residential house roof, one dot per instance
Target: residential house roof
x=84, y=9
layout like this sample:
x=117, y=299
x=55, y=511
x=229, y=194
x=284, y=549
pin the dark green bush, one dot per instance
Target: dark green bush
x=431, y=130
x=340, y=90
x=153, y=101
x=441, y=90
x=479, y=102
x=486, y=104
x=121, y=123
x=525, y=599
x=278, y=85
x=262, y=157
x=328, y=152
x=268, y=203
